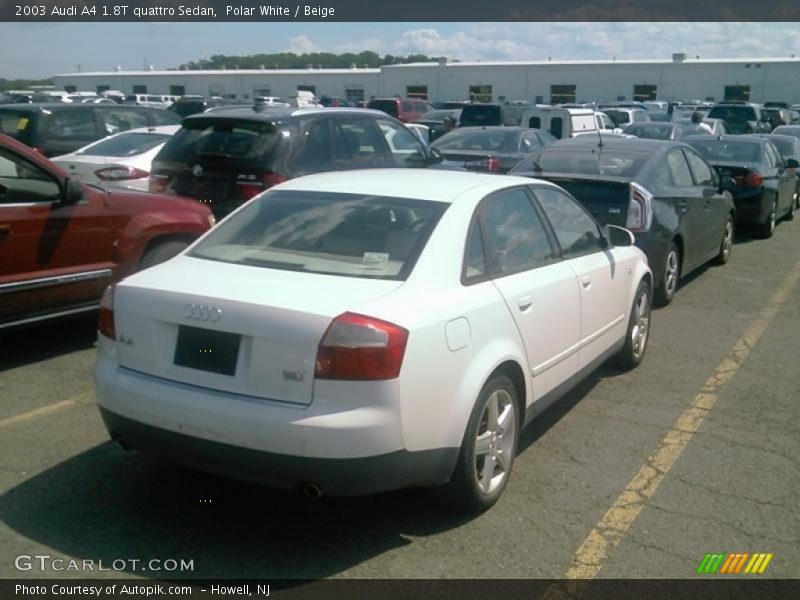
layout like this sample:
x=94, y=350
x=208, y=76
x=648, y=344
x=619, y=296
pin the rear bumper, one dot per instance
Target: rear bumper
x=752, y=207
x=655, y=248
x=344, y=445
x=335, y=477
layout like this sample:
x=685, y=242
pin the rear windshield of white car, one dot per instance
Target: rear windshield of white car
x=353, y=235
x=126, y=144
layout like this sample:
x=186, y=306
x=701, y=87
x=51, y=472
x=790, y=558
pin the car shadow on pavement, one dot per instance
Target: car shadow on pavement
x=35, y=344
x=105, y=504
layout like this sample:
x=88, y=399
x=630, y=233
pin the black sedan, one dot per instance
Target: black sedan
x=765, y=186
x=656, y=130
x=492, y=149
x=679, y=209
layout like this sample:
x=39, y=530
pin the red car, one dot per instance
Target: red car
x=62, y=242
x=407, y=110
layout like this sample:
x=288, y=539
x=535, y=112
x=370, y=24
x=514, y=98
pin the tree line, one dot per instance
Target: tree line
x=290, y=60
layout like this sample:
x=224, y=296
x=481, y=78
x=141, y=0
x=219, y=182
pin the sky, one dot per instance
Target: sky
x=39, y=50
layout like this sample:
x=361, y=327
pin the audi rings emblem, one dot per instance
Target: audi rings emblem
x=198, y=312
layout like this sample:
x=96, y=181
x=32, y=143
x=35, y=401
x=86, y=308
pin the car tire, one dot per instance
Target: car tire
x=487, y=450
x=638, y=331
x=726, y=246
x=792, y=210
x=160, y=252
x=665, y=291
x=767, y=228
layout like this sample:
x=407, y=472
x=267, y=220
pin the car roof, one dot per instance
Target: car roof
x=420, y=184
x=742, y=138
x=281, y=112
x=618, y=143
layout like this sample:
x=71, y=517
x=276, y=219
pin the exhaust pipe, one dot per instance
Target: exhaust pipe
x=312, y=490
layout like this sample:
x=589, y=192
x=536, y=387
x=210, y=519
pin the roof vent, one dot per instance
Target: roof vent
x=678, y=57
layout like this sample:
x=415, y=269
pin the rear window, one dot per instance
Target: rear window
x=565, y=159
x=477, y=115
x=476, y=139
x=618, y=117
x=374, y=237
x=727, y=151
x=126, y=144
x=184, y=108
x=787, y=148
x=734, y=114
x=650, y=132
x=387, y=106
x=16, y=124
x=244, y=142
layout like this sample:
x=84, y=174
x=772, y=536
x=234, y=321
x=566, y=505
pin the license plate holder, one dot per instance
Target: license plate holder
x=207, y=350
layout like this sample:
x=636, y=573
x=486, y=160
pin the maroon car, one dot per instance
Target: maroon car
x=63, y=242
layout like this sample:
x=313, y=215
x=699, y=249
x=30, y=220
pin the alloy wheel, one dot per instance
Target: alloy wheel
x=671, y=273
x=495, y=442
x=641, y=326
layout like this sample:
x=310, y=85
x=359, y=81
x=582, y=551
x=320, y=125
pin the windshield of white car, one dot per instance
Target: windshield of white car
x=375, y=237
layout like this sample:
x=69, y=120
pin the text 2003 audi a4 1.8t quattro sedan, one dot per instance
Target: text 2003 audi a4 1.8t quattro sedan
x=355, y=332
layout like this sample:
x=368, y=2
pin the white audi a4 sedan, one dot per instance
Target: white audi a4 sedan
x=355, y=332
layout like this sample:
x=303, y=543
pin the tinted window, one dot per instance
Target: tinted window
x=480, y=115
x=576, y=231
x=362, y=139
x=650, y=132
x=727, y=150
x=17, y=124
x=703, y=175
x=566, y=158
x=785, y=147
x=246, y=142
x=618, y=117
x=773, y=158
x=528, y=142
x=24, y=182
x=71, y=125
x=681, y=176
x=517, y=238
x=734, y=114
x=373, y=237
x=387, y=106
x=403, y=145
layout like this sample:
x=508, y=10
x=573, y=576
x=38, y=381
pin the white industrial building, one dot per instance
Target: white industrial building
x=757, y=80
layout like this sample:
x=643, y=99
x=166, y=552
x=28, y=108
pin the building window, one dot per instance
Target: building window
x=710, y=99
x=70, y=88
x=417, y=91
x=737, y=92
x=140, y=89
x=307, y=88
x=644, y=92
x=354, y=94
x=539, y=100
x=620, y=98
x=562, y=94
x=480, y=93
x=261, y=91
x=177, y=90
x=103, y=88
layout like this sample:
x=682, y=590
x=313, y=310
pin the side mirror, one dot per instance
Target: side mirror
x=619, y=236
x=72, y=192
x=792, y=164
x=726, y=184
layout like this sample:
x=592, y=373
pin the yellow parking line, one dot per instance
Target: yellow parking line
x=608, y=532
x=45, y=410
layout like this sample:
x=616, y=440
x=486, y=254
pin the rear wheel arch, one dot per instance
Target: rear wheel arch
x=160, y=240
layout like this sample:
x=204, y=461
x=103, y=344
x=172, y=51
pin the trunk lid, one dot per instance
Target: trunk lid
x=256, y=335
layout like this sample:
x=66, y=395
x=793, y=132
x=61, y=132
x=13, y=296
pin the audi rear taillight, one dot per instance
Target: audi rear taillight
x=357, y=347
x=491, y=164
x=250, y=187
x=157, y=183
x=120, y=174
x=640, y=209
x=106, y=322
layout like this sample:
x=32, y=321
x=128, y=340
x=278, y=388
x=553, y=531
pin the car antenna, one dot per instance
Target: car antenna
x=594, y=114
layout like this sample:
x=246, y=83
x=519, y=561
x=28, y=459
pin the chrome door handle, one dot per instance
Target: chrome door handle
x=524, y=303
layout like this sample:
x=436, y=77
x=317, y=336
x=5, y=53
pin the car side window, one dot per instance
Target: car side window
x=361, y=140
x=474, y=257
x=71, y=125
x=404, y=146
x=122, y=119
x=577, y=233
x=22, y=182
x=528, y=142
x=407, y=106
x=703, y=175
x=681, y=176
x=518, y=240
x=772, y=157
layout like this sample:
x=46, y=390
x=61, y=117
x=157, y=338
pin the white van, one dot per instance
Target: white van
x=561, y=122
x=150, y=100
